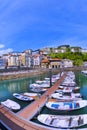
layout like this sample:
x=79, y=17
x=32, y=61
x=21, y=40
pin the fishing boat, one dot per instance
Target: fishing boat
x=72, y=96
x=66, y=106
x=38, y=85
x=38, y=89
x=33, y=95
x=68, y=89
x=22, y=97
x=11, y=104
x=71, y=121
x=69, y=84
x=39, y=81
x=76, y=89
x=84, y=72
x=34, y=85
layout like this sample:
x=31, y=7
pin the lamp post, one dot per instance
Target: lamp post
x=60, y=70
x=50, y=75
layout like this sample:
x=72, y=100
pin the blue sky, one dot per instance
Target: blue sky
x=33, y=24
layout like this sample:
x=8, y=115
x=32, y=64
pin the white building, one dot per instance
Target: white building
x=37, y=60
x=13, y=59
x=84, y=50
x=67, y=63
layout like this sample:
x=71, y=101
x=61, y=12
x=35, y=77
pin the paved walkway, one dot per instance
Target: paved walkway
x=21, y=119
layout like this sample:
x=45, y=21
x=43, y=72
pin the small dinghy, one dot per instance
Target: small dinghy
x=63, y=121
x=11, y=104
x=22, y=97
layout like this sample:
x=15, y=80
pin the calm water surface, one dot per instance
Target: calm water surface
x=7, y=88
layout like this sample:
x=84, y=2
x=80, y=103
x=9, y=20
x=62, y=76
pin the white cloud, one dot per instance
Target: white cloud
x=5, y=51
x=2, y=46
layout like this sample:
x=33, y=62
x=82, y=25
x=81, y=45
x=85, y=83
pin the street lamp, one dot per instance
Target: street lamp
x=60, y=70
x=50, y=75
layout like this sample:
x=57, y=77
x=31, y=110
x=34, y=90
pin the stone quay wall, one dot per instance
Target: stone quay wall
x=7, y=75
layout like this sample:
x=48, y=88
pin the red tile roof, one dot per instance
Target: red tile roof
x=45, y=61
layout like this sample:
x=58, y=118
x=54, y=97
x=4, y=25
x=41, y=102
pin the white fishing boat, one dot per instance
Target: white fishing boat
x=84, y=72
x=22, y=97
x=66, y=106
x=76, y=89
x=69, y=84
x=33, y=95
x=38, y=89
x=47, y=79
x=34, y=85
x=72, y=96
x=60, y=87
x=64, y=89
x=53, y=79
x=42, y=85
x=11, y=104
x=67, y=90
x=63, y=121
x=71, y=89
x=39, y=81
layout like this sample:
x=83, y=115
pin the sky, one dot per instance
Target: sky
x=36, y=24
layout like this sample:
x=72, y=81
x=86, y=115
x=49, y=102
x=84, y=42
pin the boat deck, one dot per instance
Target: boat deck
x=21, y=120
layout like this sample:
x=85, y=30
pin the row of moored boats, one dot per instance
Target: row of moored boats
x=67, y=98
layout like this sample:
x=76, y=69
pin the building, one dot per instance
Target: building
x=3, y=63
x=84, y=50
x=25, y=59
x=55, y=63
x=13, y=59
x=45, y=63
x=37, y=58
x=67, y=63
x=59, y=50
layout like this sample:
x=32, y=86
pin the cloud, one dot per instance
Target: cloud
x=2, y=46
x=4, y=50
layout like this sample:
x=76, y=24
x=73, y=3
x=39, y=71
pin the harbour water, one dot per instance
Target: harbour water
x=7, y=88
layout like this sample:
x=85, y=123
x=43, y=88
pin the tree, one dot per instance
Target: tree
x=78, y=62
